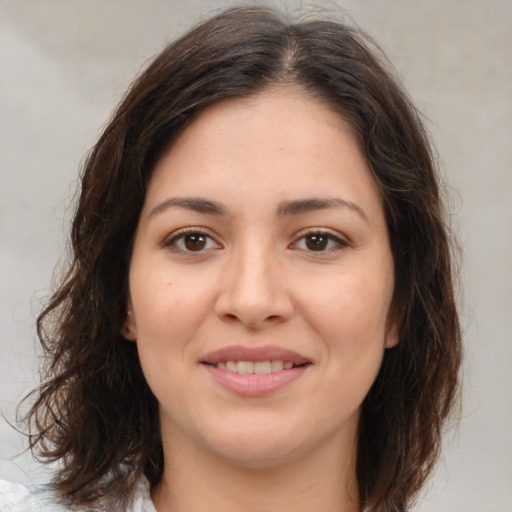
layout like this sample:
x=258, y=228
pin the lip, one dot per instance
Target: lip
x=255, y=354
x=255, y=385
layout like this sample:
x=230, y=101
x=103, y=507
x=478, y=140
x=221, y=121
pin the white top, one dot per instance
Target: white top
x=42, y=498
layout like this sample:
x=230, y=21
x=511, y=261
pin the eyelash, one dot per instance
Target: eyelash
x=180, y=236
x=339, y=243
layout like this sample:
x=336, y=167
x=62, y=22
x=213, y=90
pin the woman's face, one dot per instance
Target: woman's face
x=261, y=280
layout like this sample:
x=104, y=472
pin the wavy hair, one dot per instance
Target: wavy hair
x=93, y=411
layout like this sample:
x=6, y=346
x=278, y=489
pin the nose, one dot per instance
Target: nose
x=253, y=289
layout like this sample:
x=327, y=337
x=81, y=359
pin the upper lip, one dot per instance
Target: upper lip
x=244, y=353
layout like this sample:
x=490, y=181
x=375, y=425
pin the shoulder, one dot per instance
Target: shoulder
x=29, y=498
x=42, y=498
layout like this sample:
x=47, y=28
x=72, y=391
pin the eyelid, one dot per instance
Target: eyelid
x=341, y=241
x=170, y=240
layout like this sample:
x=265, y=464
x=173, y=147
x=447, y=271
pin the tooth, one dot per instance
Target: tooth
x=231, y=366
x=245, y=367
x=262, y=367
x=259, y=367
x=276, y=366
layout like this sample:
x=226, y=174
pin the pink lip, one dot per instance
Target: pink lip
x=254, y=385
x=243, y=353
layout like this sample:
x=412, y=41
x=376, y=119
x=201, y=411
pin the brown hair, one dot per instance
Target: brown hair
x=94, y=411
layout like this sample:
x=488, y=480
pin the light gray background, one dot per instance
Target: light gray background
x=64, y=64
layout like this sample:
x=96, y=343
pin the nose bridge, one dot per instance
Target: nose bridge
x=253, y=265
x=253, y=291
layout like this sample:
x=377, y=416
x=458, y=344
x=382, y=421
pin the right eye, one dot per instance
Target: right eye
x=191, y=241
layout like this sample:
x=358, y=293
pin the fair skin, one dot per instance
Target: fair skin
x=262, y=240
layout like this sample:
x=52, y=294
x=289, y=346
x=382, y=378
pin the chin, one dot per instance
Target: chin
x=256, y=446
x=267, y=445
x=260, y=457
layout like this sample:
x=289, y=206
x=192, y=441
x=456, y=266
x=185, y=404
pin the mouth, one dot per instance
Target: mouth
x=256, y=367
x=255, y=371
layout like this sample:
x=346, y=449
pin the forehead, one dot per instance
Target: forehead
x=259, y=118
x=278, y=144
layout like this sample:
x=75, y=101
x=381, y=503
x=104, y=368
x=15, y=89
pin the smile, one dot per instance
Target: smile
x=255, y=371
x=258, y=367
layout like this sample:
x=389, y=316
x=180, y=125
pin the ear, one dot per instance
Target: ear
x=129, y=328
x=392, y=330
x=392, y=337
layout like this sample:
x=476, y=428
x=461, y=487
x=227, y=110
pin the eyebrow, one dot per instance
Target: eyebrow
x=197, y=204
x=299, y=206
x=285, y=208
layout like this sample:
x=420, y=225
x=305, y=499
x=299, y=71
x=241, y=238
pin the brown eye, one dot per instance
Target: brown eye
x=317, y=242
x=195, y=242
x=191, y=241
x=320, y=241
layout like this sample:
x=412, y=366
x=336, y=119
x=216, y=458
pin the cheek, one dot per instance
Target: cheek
x=347, y=307
x=168, y=312
x=164, y=295
x=168, y=306
x=348, y=314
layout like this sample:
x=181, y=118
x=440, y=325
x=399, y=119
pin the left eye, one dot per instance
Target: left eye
x=192, y=242
x=319, y=242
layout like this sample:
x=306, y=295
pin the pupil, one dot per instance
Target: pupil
x=195, y=242
x=316, y=242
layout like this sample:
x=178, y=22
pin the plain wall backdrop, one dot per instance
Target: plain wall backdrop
x=64, y=64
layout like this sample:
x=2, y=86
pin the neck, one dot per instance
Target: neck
x=195, y=480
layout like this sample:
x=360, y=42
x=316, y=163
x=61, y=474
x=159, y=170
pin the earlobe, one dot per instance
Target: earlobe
x=129, y=329
x=392, y=334
x=391, y=339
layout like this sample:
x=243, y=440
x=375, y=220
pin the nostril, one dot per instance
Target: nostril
x=253, y=308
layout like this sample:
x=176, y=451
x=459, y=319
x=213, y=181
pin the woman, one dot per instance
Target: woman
x=260, y=312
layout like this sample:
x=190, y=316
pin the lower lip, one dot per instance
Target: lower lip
x=253, y=384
